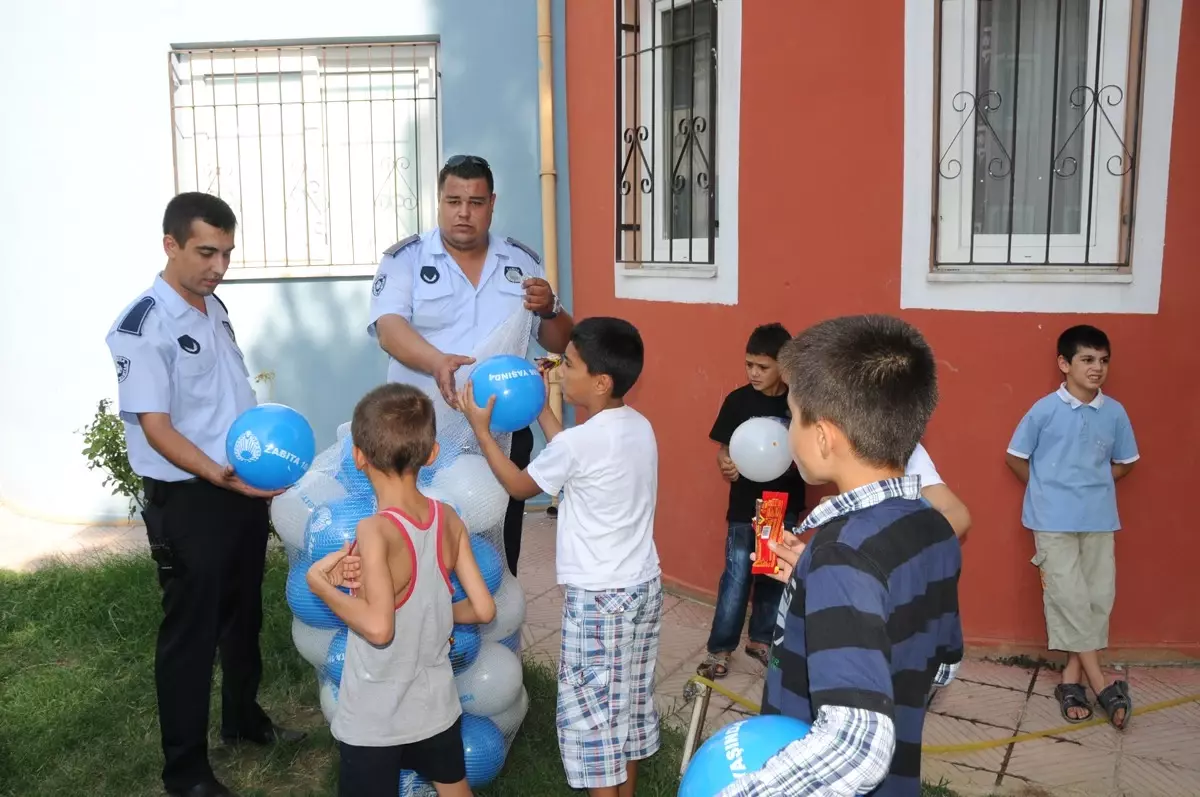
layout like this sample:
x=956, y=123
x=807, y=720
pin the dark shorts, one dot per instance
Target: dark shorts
x=370, y=771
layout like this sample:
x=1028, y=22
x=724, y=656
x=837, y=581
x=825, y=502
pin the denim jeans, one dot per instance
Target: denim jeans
x=734, y=591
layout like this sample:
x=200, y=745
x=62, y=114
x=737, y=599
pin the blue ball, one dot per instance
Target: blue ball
x=464, y=647
x=270, y=446
x=335, y=659
x=513, y=642
x=307, y=607
x=491, y=567
x=348, y=475
x=411, y=783
x=736, y=750
x=483, y=748
x=518, y=387
x=333, y=524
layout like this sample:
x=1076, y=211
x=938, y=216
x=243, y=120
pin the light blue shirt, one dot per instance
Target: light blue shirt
x=172, y=358
x=419, y=281
x=1071, y=448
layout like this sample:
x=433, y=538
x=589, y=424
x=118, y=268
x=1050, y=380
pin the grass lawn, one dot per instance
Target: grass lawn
x=77, y=710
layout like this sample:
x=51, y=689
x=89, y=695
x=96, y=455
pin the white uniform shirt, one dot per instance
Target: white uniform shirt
x=607, y=469
x=172, y=358
x=419, y=281
x=920, y=464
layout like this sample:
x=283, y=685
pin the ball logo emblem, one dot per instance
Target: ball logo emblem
x=247, y=448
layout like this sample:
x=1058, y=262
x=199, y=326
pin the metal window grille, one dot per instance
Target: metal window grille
x=327, y=153
x=666, y=112
x=1036, y=161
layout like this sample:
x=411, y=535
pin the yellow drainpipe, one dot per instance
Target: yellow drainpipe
x=549, y=176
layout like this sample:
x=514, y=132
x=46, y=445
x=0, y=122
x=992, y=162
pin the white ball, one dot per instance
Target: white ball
x=510, y=610
x=311, y=643
x=509, y=720
x=329, y=699
x=290, y=511
x=468, y=484
x=759, y=449
x=492, y=683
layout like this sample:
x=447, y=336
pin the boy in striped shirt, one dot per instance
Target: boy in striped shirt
x=869, y=618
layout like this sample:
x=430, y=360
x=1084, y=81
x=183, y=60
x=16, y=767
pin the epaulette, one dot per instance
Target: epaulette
x=514, y=242
x=135, y=319
x=407, y=242
x=223, y=307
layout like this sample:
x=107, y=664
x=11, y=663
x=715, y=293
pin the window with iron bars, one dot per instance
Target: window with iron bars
x=666, y=116
x=1038, y=111
x=327, y=153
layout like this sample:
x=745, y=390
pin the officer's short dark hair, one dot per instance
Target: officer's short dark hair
x=610, y=347
x=395, y=427
x=873, y=376
x=767, y=340
x=467, y=167
x=187, y=207
x=1079, y=337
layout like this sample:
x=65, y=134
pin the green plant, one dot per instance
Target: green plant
x=104, y=447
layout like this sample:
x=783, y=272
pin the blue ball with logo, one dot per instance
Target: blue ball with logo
x=518, y=387
x=270, y=446
x=736, y=750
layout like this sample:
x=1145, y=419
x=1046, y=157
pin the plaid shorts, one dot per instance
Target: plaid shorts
x=606, y=714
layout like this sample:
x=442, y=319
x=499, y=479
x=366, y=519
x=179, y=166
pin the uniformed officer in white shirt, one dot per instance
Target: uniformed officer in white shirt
x=182, y=381
x=437, y=295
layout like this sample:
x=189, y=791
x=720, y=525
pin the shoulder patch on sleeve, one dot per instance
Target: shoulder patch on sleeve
x=514, y=242
x=135, y=319
x=399, y=245
x=223, y=307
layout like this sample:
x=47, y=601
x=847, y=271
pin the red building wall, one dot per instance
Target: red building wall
x=820, y=233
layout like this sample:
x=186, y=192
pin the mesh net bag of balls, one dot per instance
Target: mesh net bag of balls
x=321, y=510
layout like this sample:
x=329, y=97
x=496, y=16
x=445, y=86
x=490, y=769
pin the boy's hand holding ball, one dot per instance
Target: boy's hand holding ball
x=480, y=418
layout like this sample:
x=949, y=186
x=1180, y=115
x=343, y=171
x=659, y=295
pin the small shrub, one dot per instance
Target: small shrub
x=104, y=447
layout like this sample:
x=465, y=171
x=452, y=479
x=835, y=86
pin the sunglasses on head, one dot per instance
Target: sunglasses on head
x=474, y=160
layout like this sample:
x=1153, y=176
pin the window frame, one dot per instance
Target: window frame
x=421, y=55
x=1114, y=64
x=1040, y=288
x=654, y=272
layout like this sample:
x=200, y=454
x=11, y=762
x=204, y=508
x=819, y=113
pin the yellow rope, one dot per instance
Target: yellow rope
x=989, y=743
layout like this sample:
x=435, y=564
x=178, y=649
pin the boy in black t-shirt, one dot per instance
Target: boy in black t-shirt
x=764, y=396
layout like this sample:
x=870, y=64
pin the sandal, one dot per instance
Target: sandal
x=716, y=665
x=1114, y=698
x=1071, y=696
x=761, y=655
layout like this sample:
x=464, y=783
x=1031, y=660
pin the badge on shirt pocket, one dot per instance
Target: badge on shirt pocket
x=430, y=275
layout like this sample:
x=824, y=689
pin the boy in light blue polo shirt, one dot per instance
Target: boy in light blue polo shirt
x=1070, y=449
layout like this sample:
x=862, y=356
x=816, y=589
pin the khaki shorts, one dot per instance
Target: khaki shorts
x=1079, y=585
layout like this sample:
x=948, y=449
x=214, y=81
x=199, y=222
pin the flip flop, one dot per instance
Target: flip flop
x=715, y=666
x=1071, y=696
x=761, y=655
x=1114, y=698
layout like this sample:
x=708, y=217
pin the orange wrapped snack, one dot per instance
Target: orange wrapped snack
x=768, y=525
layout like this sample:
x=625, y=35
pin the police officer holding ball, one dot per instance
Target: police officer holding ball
x=182, y=381
x=438, y=295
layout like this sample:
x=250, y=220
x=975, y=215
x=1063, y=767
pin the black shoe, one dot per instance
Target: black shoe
x=272, y=735
x=208, y=788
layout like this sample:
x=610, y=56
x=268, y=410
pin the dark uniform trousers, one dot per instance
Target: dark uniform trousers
x=210, y=545
x=519, y=452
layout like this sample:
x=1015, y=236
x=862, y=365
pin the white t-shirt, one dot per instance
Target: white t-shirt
x=607, y=470
x=919, y=464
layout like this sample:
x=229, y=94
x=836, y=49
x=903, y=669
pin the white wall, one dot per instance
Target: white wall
x=86, y=169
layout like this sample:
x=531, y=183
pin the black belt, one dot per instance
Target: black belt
x=156, y=490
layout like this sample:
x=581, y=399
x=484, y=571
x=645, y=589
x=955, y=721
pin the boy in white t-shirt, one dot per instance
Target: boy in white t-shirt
x=607, y=468
x=935, y=491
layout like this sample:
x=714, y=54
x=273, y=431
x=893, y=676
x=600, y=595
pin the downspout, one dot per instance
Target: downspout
x=548, y=174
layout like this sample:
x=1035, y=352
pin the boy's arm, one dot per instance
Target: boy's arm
x=1125, y=450
x=721, y=433
x=849, y=749
x=935, y=491
x=551, y=425
x=479, y=607
x=515, y=481
x=373, y=615
x=1022, y=445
